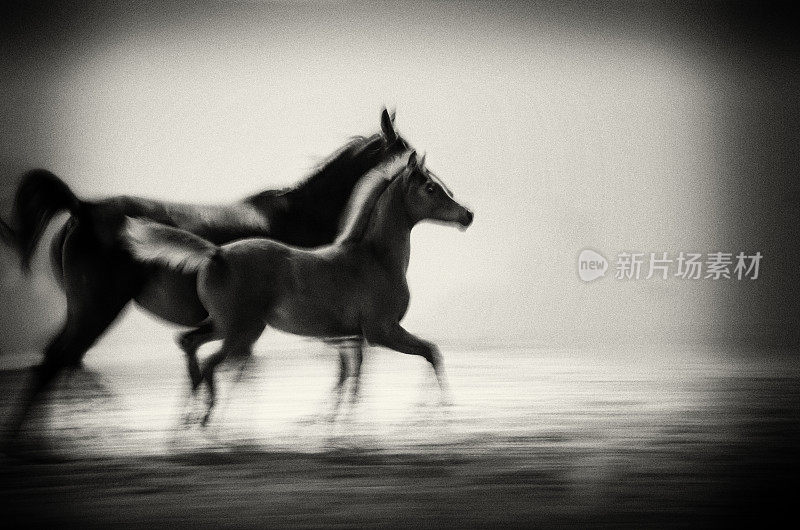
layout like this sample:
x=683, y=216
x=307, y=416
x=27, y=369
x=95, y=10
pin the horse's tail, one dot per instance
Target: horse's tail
x=7, y=235
x=40, y=196
x=151, y=242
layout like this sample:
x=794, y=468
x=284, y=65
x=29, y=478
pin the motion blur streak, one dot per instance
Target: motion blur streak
x=543, y=436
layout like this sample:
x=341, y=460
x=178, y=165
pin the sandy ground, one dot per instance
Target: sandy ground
x=641, y=438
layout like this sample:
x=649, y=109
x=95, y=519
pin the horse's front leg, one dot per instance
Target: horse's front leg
x=355, y=370
x=190, y=342
x=397, y=338
x=207, y=374
x=350, y=357
x=338, y=388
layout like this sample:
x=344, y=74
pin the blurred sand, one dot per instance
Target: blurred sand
x=679, y=437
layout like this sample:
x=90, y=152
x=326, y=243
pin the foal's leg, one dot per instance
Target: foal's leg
x=355, y=350
x=238, y=343
x=339, y=386
x=190, y=341
x=350, y=357
x=355, y=369
x=397, y=338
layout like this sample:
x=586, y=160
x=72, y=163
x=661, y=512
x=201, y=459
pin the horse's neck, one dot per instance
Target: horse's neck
x=389, y=230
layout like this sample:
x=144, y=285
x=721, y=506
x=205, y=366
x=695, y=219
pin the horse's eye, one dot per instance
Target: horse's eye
x=429, y=187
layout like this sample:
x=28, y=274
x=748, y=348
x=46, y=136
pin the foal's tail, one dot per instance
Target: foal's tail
x=152, y=242
x=40, y=196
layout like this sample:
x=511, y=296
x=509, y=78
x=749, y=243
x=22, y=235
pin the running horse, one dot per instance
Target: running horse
x=99, y=276
x=355, y=286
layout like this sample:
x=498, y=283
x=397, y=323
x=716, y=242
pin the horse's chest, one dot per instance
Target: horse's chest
x=391, y=296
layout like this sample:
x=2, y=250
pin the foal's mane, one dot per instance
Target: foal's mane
x=365, y=197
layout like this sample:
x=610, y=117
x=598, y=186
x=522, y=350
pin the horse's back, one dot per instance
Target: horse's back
x=219, y=224
x=301, y=291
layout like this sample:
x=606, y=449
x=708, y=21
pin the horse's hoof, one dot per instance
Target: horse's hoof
x=190, y=419
x=446, y=402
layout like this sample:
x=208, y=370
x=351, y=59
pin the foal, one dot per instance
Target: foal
x=355, y=286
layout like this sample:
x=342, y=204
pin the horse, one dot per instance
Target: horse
x=353, y=287
x=99, y=276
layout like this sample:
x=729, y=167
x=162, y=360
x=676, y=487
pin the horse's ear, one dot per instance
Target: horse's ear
x=412, y=159
x=387, y=126
x=421, y=162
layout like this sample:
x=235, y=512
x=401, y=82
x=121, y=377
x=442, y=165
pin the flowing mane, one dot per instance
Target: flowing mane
x=354, y=146
x=365, y=197
x=332, y=168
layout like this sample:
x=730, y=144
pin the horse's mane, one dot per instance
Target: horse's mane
x=348, y=151
x=333, y=166
x=365, y=196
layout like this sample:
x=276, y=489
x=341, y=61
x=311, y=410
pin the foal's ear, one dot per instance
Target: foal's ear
x=387, y=125
x=412, y=159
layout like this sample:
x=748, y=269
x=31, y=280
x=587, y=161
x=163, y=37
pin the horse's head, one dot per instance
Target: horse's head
x=427, y=197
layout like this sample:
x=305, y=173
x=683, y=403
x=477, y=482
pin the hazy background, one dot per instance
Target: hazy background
x=629, y=127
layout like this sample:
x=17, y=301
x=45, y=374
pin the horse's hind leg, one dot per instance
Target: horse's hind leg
x=41, y=376
x=97, y=283
x=96, y=293
x=190, y=342
x=66, y=349
x=238, y=343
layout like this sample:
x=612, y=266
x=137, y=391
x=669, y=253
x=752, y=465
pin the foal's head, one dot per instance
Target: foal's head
x=427, y=198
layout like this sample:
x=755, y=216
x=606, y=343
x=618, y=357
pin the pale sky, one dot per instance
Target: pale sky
x=559, y=136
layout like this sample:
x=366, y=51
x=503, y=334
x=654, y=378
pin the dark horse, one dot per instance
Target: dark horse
x=100, y=278
x=353, y=286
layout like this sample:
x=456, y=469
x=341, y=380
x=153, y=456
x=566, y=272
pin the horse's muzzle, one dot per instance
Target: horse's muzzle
x=465, y=219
